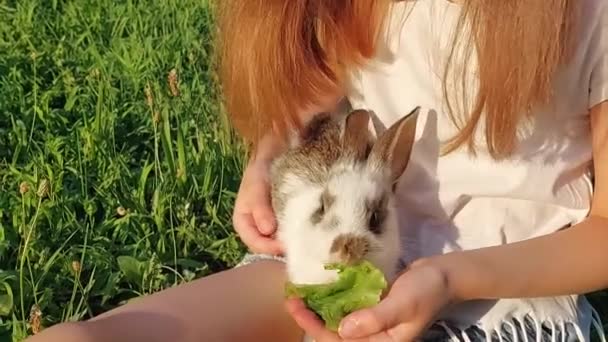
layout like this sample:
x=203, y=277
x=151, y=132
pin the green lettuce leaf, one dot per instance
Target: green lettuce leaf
x=357, y=287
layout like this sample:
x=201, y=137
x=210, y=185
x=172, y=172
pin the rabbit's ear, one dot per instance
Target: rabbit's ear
x=356, y=138
x=394, y=146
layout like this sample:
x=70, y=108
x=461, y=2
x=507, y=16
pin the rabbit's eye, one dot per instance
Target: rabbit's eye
x=325, y=203
x=375, y=222
x=318, y=214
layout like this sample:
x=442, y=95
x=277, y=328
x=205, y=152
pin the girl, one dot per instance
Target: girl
x=502, y=233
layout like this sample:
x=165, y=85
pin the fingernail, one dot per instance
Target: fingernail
x=349, y=328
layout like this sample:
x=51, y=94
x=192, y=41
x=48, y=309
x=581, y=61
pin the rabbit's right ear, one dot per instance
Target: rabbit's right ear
x=393, y=148
x=356, y=137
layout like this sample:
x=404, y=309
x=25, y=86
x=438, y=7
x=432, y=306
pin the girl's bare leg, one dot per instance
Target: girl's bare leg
x=242, y=304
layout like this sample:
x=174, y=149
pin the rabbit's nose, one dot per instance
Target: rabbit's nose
x=349, y=248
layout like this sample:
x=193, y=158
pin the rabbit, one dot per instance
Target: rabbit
x=332, y=194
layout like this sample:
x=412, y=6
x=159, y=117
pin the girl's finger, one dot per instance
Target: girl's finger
x=309, y=322
x=404, y=332
x=396, y=308
x=248, y=232
x=264, y=217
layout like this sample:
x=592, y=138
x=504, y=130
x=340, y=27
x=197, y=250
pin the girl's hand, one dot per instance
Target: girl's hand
x=409, y=308
x=253, y=217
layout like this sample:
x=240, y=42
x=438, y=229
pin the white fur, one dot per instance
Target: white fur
x=308, y=246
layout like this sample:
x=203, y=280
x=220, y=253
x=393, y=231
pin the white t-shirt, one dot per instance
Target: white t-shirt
x=457, y=202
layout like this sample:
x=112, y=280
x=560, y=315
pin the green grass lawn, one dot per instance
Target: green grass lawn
x=117, y=168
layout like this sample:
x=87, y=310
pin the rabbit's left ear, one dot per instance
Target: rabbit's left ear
x=394, y=146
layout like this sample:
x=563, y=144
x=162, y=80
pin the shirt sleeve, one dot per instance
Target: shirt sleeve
x=599, y=74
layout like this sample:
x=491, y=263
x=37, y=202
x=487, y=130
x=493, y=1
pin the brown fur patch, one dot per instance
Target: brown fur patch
x=350, y=248
x=320, y=148
x=311, y=161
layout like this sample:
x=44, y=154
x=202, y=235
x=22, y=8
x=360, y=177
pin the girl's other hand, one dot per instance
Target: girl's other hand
x=253, y=217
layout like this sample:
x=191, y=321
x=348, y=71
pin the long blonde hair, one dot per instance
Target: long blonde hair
x=279, y=56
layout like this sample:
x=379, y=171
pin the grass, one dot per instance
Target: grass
x=117, y=168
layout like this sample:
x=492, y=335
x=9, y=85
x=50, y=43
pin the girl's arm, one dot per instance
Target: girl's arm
x=567, y=262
